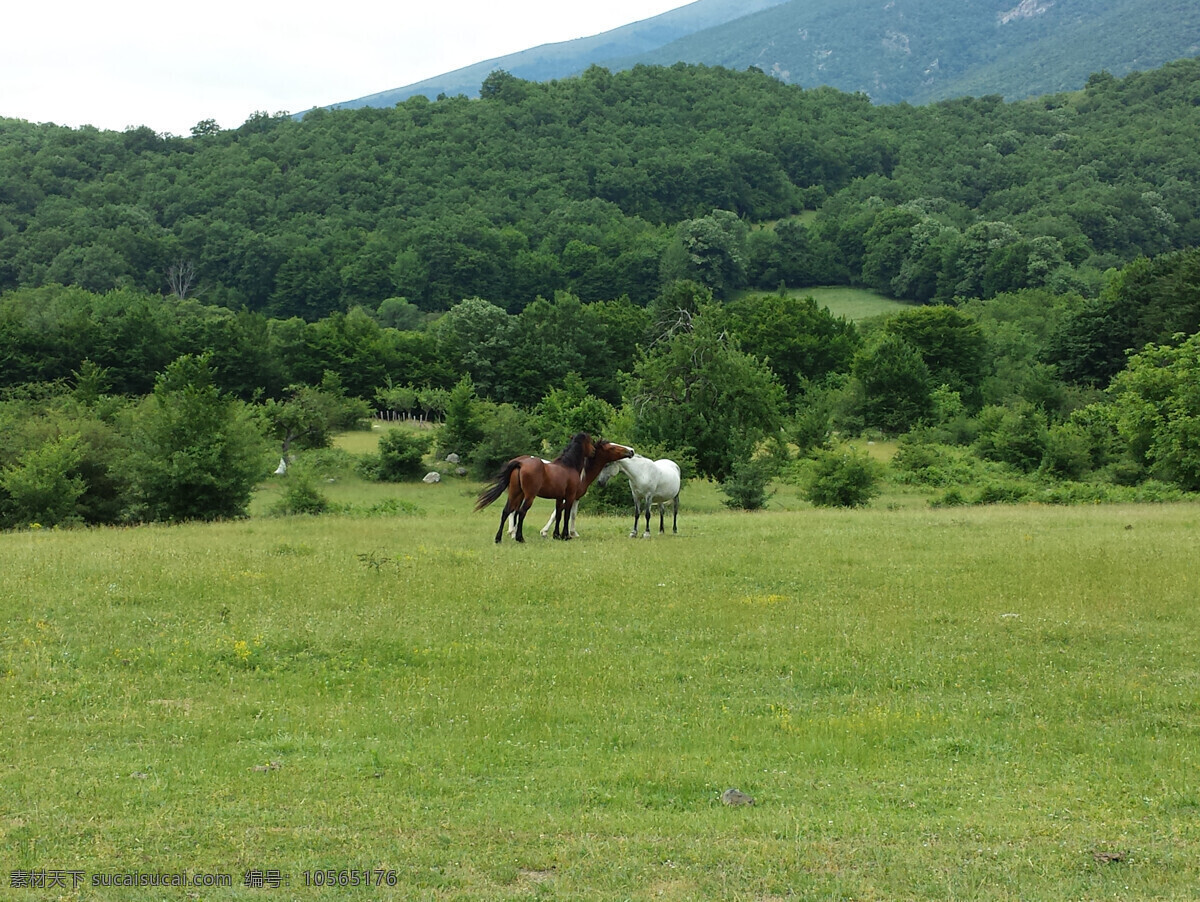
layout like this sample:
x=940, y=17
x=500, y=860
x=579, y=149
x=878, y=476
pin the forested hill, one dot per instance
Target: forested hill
x=568, y=58
x=613, y=184
x=903, y=50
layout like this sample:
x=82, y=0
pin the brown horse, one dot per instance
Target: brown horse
x=526, y=478
x=606, y=453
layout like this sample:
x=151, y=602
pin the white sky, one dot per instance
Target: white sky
x=169, y=65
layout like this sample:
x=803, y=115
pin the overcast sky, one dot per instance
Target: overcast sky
x=169, y=65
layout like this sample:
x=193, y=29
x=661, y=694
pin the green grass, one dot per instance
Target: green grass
x=927, y=704
x=853, y=303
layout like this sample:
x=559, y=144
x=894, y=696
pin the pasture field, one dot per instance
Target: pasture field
x=852, y=303
x=969, y=704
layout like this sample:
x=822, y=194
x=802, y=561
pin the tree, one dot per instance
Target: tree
x=711, y=250
x=564, y=411
x=463, y=429
x=952, y=345
x=800, y=339
x=307, y=418
x=474, y=338
x=196, y=454
x=894, y=383
x=43, y=486
x=699, y=393
x=1157, y=404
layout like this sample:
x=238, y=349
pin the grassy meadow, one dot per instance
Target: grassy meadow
x=852, y=303
x=970, y=703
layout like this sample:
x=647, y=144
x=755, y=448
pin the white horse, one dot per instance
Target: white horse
x=652, y=482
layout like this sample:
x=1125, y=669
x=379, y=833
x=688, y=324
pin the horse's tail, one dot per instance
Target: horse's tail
x=488, y=495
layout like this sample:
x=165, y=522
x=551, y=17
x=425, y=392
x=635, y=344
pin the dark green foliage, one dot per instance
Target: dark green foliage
x=507, y=433
x=195, y=453
x=746, y=486
x=1147, y=301
x=463, y=428
x=603, y=186
x=843, y=479
x=1156, y=405
x=43, y=486
x=801, y=340
x=402, y=455
x=697, y=391
x=570, y=409
x=1015, y=435
x=302, y=496
x=894, y=383
x=952, y=345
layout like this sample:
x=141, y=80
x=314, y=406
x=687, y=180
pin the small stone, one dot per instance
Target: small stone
x=733, y=796
x=432, y=477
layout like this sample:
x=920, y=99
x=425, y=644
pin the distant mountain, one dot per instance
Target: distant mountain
x=890, y=50
x=921, y=50
x=561, y=60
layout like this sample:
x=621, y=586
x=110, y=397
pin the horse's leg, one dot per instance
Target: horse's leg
x=558, y=503
x=649, y=504
x=637, y=513
x=503, y=518
x=662, y=514
x=546, y=528
x=675, y=515
x=566, y=526
x=520, y=536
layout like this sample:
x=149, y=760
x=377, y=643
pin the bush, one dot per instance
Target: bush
x=44, y=486
x=195, y=453
x=1014, y=435
x=506, y=433
x=1068, y=452
x=843, y=479
x=746, y=487
x=302, y=497
x=1004, y=493
x=402, y=455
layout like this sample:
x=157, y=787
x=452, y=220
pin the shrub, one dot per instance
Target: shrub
x=1014, y=435
x=843, y=479
x=44, y=486
x=302, y=497
x=402, y=455
x=746, y=487
x=195, y=453
x=1068, y=453
x=1009, y=492
x=506, y=434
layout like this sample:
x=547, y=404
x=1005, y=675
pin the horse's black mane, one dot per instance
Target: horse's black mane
x=573, y=456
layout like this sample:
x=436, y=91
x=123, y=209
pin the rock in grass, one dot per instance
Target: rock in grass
x=733, y=796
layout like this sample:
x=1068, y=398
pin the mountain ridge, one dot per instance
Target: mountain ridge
x=913, y=51
x=566, y=58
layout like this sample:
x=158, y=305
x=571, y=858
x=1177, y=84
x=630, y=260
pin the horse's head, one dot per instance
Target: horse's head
x=579, y=451
x=607, y=473
x=607, y=455
x=611, y=451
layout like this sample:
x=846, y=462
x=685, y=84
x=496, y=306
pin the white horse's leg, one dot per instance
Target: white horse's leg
x=546, y=528
x=649, y=504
